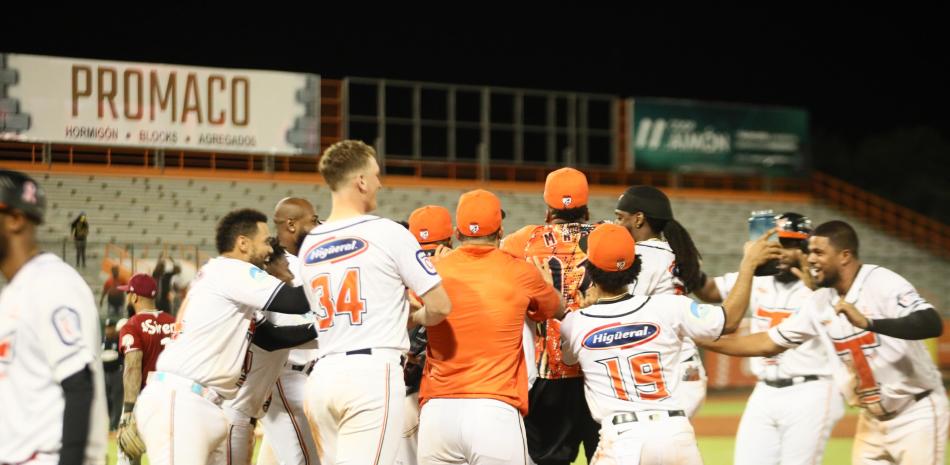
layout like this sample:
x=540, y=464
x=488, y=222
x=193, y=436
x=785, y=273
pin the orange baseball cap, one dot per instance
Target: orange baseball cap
x=430, y=223
x=565, y=188
x=478, y=214
x=610, y=247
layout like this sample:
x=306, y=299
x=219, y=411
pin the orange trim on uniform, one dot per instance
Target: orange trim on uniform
x=293, y=421
x=792, y=234
x=382, y=435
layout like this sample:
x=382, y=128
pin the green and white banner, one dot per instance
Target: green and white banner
x=682, y=135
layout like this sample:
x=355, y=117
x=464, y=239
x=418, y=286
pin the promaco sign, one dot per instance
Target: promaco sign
x=76, y=101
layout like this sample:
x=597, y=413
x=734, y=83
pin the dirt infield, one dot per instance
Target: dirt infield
x=728, y=425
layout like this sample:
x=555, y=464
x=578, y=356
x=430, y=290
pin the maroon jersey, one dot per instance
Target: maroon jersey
x=148, y=332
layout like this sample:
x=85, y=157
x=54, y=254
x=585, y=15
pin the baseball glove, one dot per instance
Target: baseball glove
x=128, y=438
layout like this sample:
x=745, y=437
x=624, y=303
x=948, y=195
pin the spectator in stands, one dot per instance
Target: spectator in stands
x=115, y=298
x=163, y=276
x=80, y=231
x=112, y=368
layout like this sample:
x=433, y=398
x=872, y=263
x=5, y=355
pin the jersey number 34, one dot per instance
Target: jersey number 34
x=346, y=300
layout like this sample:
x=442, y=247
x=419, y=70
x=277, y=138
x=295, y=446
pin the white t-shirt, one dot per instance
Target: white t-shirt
x=214, y=324
x=770, y=303
x=629, y=349
x=355, y=273
x=884, y=373
x=49, y=331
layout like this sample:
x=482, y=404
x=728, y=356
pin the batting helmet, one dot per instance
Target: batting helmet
x=793, y=227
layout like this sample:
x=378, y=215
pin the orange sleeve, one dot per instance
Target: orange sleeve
x=544, y=300
x=516, y=242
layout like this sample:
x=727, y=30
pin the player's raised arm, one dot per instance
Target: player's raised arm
x=756, y=253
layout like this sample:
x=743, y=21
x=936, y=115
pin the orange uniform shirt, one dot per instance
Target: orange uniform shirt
x=476, y=352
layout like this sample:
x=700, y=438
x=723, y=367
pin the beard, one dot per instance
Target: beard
x=299, y=240
x=786, y=276
x=4, y=247
x=829, y=280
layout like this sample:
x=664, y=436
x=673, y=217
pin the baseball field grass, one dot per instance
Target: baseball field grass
x=720, y=414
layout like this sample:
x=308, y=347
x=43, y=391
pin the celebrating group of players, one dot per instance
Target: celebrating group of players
x=357, y=340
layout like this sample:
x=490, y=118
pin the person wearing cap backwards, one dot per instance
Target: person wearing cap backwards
x=141, y=339
x=627, y=347
x=671, y=265
x=52, y=392
x=475, y=386
x=559, y=420
x=795, y=404
x=431, y=225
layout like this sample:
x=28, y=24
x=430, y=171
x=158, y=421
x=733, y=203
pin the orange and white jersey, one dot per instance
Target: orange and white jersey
x=355, y=273
x=629, y=349
x=884, y=373
x=770, y=303
x=656, y=273
x=214, y=328
x=49, y=331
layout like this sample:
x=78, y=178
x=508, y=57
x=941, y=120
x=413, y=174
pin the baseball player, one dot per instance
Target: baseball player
x=432, y=227
x=795, y=404
x=559, y=420
x=251, y=400
x=474, y=369
x=356, y=268
x=670, y=266
x=285, y=424
x=51, y=384
x=141, y=339
x=875, y=320
x=628, y=348
x=207, y=360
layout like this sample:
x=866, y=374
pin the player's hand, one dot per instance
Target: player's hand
x=542, y=266
x=441, y=251
x=802, y=272
x=852, y=314
x=761, y=250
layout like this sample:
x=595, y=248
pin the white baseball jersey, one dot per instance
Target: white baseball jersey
x=355, y=273
x=770, y=303
x=299, y=356
x=884, y=372
x=214, y=327
x=49, y=330
x=629, y=349
x=656, y=272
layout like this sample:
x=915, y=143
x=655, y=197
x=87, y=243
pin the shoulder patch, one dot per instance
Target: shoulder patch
x=425, y=262
x=66, y=323
x=702, y=311
x=257, y=274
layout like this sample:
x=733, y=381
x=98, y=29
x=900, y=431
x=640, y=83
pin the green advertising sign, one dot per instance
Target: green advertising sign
x=680, y=135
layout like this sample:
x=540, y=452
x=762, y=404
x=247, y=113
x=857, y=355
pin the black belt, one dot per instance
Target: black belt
x=786, y=382
x=922, y=395
x=631, y=417
x=305, y=369
x=890, y=415
x=360, y=352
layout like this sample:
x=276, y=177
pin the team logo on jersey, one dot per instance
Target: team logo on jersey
x=66, y=324
x=423, y=260
x=424, y=234
x=567, y=200
x=473, y=228
x=620, y=336
x=127, y=341
x=702, y=311
x=257, y=274
x=6, y=348
x=335, y=250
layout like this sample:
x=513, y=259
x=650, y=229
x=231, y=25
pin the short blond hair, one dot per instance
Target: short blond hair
x=343, y=158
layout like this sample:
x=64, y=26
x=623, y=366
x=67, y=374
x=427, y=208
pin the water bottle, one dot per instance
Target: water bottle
x=761, y=221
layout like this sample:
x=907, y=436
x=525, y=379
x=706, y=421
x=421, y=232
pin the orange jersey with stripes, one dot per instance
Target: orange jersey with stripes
x=476, y=351
x=560, y=246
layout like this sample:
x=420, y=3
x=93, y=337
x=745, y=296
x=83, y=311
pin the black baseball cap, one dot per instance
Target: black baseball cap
x=647, y=199
x=21, y=192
